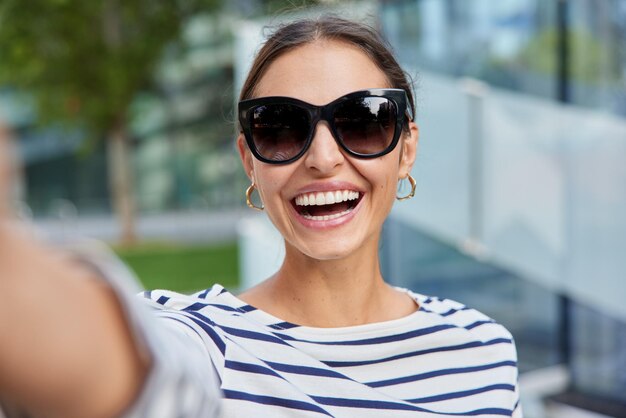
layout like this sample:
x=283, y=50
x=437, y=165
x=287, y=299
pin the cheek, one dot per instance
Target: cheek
x=385, y=175
x=267, y=189
x=391, y=189
x=384, y=187
x=271, y=181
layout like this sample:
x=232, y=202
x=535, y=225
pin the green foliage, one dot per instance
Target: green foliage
x=183, y=268
x=589, y=57
x=84, y=61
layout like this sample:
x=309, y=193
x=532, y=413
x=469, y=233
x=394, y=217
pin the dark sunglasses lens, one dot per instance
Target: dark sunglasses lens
x=366, y=125
x=279, y=131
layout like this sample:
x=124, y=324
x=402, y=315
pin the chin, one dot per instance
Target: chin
x=328, y=250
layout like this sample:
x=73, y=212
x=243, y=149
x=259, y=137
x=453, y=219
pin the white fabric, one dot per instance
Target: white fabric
x=181, y=382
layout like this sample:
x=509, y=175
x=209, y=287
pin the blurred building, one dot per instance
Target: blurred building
x=182, y=134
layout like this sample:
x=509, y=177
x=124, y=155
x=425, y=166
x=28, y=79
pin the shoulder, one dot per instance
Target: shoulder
x=167, y=299
x=208, y=314
x=458, y=315
x=207, y=310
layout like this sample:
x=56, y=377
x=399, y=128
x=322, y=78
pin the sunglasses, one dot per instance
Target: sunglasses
x=365, y=124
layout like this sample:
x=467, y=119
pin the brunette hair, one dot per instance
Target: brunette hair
x=327, y=27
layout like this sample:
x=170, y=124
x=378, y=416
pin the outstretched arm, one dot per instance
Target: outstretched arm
x=76, y=342
x=65, y=347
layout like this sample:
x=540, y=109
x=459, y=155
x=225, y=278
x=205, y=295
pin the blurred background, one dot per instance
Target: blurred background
x=123, y=115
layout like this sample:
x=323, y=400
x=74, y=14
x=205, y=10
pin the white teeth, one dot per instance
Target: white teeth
x=326, y=217
x=326, y=198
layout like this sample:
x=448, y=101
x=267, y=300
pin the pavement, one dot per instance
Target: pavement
x=188, y=227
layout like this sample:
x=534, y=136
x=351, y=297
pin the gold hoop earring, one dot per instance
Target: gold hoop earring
x=249, y=192
x=413, y=186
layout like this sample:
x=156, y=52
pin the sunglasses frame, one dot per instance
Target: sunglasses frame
x=316, y=113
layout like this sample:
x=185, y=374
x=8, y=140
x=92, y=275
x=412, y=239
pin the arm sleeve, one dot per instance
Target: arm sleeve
x=182, y=380
x=517, y=406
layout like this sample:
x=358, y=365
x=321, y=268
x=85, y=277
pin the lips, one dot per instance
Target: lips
x=326, y=205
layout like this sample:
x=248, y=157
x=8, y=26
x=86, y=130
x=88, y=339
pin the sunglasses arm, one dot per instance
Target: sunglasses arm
x=409, y=109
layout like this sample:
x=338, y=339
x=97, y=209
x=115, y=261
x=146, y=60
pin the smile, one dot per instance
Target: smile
x=325, y=206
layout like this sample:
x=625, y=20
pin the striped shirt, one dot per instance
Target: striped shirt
x=443, y=360
x=212, y=355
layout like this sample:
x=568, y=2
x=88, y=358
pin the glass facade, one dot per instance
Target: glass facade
x=520, y=205
x=513, y=44
x=182, y=130
x=596, y=344
x=432, y=267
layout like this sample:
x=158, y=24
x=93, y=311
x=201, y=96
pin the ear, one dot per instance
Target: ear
x=245, y=155
x=409, y=151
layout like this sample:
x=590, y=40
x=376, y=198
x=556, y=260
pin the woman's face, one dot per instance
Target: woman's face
x=318, y=73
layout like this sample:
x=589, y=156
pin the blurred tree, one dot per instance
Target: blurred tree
x=84, y=62
x=591, y=60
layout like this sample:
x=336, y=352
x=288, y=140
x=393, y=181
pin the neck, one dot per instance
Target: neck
x=330, y=293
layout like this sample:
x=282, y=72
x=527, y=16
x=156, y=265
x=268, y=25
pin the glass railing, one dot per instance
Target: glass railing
x=532, y=185
x=514, y=44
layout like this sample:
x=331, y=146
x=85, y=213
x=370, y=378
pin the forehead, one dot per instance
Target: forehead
x=319, y=72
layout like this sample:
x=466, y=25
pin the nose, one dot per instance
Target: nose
x=324, y=154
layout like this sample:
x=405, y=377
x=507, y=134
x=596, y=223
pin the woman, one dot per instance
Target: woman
x=327, y=132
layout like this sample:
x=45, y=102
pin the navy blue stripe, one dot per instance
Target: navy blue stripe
x=204, y=293
x=195, y=306
x=305, y=370
x=201, y=305
x=486, y=411
x=147, y=294
x=253, y=335
x=442, y=372
x=454, y=310
x=473, y=344
x=462, y=394
x=367, y=404
x=283, y=325
x=281, y=367
x=376, y=340
x=478, y=323
x=249, y=368
x=223, y=291
x=208, y=326
x=223, y=307
x=163, y=300
x=271, y=400
x=246, y=308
